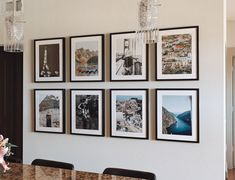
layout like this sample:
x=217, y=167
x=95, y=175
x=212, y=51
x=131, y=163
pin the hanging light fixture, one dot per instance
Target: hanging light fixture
x=13, y=25
x=147, y=32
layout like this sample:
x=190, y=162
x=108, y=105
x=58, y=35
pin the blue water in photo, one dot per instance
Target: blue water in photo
x=180, y=128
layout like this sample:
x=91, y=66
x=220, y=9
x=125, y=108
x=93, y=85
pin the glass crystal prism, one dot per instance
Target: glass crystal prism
x=147, y=32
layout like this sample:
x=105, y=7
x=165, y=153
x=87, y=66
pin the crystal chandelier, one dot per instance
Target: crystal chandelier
x=13, y=25
x=147, y=32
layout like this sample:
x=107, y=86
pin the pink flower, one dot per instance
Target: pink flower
x=3, y=151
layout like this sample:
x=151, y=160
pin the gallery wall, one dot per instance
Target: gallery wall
x=169, y=160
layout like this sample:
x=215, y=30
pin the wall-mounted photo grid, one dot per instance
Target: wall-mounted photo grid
x=177, y=109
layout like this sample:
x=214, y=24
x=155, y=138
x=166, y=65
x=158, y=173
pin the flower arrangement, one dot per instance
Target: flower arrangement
x=5, y=150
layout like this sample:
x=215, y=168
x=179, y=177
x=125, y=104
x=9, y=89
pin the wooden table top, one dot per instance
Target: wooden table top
x=30, y=172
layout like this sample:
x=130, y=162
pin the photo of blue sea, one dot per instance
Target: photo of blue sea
x=176, y=115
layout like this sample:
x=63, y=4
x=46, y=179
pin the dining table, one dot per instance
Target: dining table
x=30, y=172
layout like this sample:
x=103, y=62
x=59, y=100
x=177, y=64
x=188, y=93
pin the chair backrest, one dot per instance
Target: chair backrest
x=50, y=163
x=130, y=173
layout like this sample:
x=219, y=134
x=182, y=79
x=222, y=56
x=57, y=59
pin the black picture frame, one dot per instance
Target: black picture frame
x=144, y=60
x=100, y=69
x=54, y=48
x=181, y=108
x=101, y=112
x=187, y=67
x=144, y=93
x=47, y=95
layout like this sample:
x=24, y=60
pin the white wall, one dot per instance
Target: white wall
x=1, y=33
x=169, y=160
x=1, y=25
x=230, y=33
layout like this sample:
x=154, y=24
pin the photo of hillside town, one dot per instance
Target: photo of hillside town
x=86, y=58
x=129, y=113
x=177, y=54
x=176, y=115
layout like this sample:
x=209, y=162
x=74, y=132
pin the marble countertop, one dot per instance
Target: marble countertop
x=30, y=172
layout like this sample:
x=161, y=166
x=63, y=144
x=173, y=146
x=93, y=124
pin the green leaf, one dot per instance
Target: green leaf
x=9, y=145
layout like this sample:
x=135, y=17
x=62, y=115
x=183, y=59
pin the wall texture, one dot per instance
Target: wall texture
x=1, y=31
x=169, y=160
x=230, y=33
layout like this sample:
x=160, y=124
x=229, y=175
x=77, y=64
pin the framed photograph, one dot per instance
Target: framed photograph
x=49, y=60
x=87, y=112
x=177, y=115
x=129, y=113
x=49, y=106
x=129, y=61
x=87, y=58
x=177, y=54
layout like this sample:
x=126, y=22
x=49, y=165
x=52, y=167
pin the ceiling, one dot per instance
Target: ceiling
x=231, y=10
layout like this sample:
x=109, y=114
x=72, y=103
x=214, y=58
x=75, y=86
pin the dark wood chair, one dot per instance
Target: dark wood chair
x=50, y=163
x=130, y=173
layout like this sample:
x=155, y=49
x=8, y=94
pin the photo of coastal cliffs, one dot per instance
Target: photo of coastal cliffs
x=177, y=115
x=177, y=54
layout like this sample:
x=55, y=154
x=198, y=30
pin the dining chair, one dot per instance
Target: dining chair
x=50, y=163
x=130, y=173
